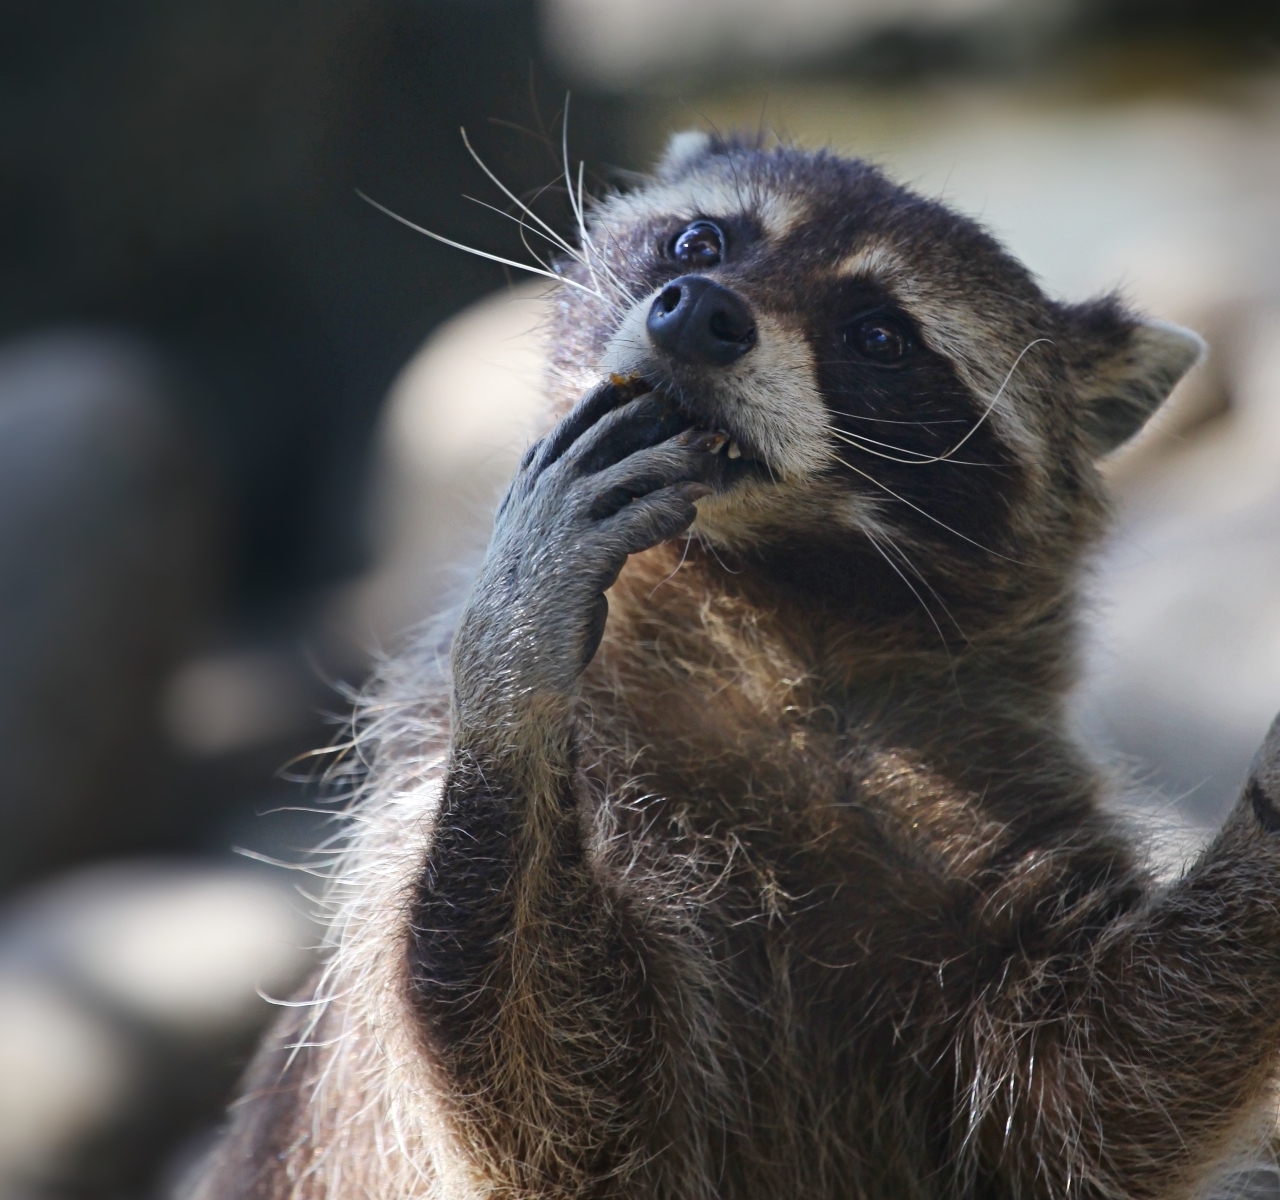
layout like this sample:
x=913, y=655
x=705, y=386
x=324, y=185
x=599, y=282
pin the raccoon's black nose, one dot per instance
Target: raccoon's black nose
x=697, y=321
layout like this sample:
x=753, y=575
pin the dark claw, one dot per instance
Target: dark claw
x=1264, y=781
x=695, y=491
x=1263, y=809
x=700, y=439
x=595, y=629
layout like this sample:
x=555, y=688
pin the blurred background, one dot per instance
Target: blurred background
x=251, y=429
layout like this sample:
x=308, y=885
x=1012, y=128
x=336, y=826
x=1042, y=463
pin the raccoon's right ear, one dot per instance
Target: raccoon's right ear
x=1126, y=366
x=685, y=150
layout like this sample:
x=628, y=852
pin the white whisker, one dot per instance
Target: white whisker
x=506, y=262
x=707, y=544
x=627, y=256
x=520, y=221
x=906, y=561
x=687, y=542
x=861, y=443
x=995, y=399
x=923, y=459
x=575, y=200
x=550, y=233
x=889, y=421
x=927, y=515
x=920, y=599
x=589, y=248
x=524, y=230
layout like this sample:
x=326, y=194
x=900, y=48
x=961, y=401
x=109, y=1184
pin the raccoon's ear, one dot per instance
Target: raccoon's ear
x=1127, y=366
x=684, y=150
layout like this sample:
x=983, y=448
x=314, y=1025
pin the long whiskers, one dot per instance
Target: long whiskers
x=581, y=255
x=921, y=459
x=919, y=598
x=688, y=541
x=586, y=255
x=578, y=206
x=906, y=561
x=865, y=443
x=996, y=398
x=601, y=260
x=927, y=515
x=575, y=197
x=525, y=229
x=590, y=250
x=548, y=232
x=890, y=421
x=506, y=262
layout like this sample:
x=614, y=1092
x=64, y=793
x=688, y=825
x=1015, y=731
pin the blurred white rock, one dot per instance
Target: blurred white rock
x=221, y=703
x=107, y=972
x=620, y=44
x=62, y=1071
x=189, y=948
x=457, y=419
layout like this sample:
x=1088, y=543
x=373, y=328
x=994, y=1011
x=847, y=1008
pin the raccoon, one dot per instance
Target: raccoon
x=743, y=849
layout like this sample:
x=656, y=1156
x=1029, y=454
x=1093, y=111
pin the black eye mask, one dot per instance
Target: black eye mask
x=905, y=427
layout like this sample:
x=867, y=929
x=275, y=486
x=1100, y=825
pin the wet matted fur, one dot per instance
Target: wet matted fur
x=801, y=887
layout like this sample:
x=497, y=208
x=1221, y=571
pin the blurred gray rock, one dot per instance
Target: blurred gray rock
x=106, y=565
x=452, y=430
x=130, y=995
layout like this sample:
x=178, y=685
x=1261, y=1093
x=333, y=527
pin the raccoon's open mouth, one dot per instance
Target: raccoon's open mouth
x=733, y=461
x=737, y=459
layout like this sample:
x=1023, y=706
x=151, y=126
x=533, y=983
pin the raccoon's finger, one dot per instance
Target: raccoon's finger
x=688, y=458
x=604, y=398
x=604, y=571
x=639, y=425
x=529, y=455
x=517, y=484
x=655, y=518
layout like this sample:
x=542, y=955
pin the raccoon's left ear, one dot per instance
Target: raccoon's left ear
x=1127, y=365
x=685, y=150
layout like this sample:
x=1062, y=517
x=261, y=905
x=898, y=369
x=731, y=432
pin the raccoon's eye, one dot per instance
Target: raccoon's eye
x=879, y=338
x=699, y=245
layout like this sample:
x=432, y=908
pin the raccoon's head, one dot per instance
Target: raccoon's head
x=905, y=405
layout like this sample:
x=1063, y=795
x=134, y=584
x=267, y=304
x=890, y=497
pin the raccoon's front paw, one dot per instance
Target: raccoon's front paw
x=618, y=475
x=1262, y=792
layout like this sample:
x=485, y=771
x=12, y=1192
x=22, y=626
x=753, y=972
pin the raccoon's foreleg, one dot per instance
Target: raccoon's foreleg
x=529, y=977
x=1139, y=1050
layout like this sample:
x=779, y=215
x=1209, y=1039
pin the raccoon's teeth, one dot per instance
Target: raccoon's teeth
x=734, y=451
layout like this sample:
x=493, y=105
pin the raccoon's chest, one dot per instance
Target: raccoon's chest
x=793, y=842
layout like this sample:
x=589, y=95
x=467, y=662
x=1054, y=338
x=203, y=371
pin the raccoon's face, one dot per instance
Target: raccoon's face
x=888, y=375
